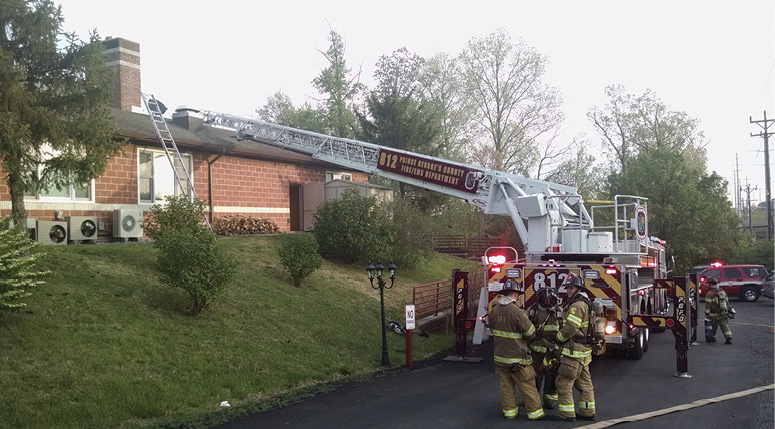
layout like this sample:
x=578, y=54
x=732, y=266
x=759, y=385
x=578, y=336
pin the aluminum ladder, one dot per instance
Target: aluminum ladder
x=164, y=135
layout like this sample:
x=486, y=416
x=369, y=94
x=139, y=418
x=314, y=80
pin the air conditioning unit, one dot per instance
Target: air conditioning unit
x=127, y=223
x=32, y=228
x=52, y=232
x=82, y=228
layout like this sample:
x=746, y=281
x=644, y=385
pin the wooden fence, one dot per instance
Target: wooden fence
x=473, y=247
x=432, y=298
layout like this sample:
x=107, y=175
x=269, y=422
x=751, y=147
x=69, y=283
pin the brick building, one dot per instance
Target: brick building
x=246, y=178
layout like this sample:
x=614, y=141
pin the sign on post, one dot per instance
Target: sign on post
x=410, y=317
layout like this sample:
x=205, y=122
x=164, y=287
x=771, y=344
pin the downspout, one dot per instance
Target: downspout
x=210, y=184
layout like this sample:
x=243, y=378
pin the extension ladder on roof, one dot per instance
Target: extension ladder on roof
x=164, y=135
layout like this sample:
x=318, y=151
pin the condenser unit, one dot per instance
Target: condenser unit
x=32, y=228
x=127, y=223
x=82, y=228
x=52, y=232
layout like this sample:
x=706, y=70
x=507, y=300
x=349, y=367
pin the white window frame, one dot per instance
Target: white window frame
x=338, y=175
x=189, y=168
x=71, y=198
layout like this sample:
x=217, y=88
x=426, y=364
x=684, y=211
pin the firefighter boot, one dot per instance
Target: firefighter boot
x=728, y=341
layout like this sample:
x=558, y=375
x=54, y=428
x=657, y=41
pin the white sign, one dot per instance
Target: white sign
x=410, y=317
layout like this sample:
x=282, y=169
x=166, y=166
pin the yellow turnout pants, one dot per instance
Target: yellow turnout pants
x=573, y=373
x=524, y=380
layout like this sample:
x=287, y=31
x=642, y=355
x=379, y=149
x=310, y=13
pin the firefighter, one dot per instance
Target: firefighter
x=512, y=329
x=575, y=345
x=717, y=309
x=546, y=315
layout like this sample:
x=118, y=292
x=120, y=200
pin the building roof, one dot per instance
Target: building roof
x=137, y=127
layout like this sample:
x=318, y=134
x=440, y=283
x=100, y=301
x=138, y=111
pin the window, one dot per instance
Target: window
x=732, y=273
x=713, y=273
x=334, y=175
x=755, y=271
x=155, y=177
x=70, y=192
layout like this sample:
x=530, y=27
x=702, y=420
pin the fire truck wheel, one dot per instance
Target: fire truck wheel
x=637, y=351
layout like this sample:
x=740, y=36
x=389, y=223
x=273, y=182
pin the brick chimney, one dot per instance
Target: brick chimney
x=124, y=56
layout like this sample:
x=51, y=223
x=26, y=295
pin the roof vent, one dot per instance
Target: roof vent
x=188, y=117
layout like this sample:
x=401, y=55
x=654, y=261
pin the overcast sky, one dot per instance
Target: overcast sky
x=711, y=59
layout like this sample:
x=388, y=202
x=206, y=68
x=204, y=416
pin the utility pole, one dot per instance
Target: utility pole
x=765, y=125
x=748, y=190
x=738, y=208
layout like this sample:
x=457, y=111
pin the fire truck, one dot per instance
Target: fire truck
x=608, y=246
x=606, y=243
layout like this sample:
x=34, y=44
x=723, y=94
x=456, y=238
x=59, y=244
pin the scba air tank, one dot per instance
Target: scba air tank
x=597, y=308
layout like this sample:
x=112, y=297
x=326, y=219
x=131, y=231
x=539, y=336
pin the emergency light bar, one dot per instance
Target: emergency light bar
x=497, y=259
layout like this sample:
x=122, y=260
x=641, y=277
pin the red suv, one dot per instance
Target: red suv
x=743, y=281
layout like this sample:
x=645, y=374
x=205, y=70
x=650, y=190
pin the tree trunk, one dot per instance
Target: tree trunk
x=16, y=188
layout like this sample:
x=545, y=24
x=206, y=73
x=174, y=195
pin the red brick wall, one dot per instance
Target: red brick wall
x=243, y=183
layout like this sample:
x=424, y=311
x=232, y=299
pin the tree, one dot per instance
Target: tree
x=339, y=90
x=17, y=267
x=55, y=125
x=514, y=109
x=279, y=109
x=398, y=115
x=442, y=84
x=580, y=170
x=188, y=255
x=630, y=124
x=686, y=206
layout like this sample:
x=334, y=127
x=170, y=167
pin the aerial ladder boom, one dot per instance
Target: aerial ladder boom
x=546, y=206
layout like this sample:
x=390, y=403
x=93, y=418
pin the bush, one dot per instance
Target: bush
x=242, y=225
x=411, y=236
x=351, y=228
x=17, y=267
x=299, y=256
x=189, y=257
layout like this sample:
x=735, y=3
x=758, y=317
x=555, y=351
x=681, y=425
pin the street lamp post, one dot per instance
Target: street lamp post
x=376, y=271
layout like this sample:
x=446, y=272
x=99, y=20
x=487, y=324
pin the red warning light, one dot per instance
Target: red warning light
x=670, y=323
x=496, y=259
x=468, y=324
x=716, y=264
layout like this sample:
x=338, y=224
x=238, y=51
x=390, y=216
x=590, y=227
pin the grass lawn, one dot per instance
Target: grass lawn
x=105, y=344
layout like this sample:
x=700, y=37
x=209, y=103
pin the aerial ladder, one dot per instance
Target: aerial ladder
x=544, y=205
x=623, y=267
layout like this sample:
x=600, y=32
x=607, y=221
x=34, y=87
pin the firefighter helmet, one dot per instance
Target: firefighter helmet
x=511, y=285
x=574, y=281
x=547, y=297
x=712, y=283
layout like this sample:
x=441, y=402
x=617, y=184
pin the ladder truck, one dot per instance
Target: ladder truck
x=620, y=263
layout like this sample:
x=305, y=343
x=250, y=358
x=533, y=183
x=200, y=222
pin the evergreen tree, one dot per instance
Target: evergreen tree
x=17, y=267
x=55, y=125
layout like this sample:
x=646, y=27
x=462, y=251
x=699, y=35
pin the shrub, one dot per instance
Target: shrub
x=188, y=255
x=411, y=235
x=242, y=225
x=17, y=267
x=351, y=228
x=299, y=256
